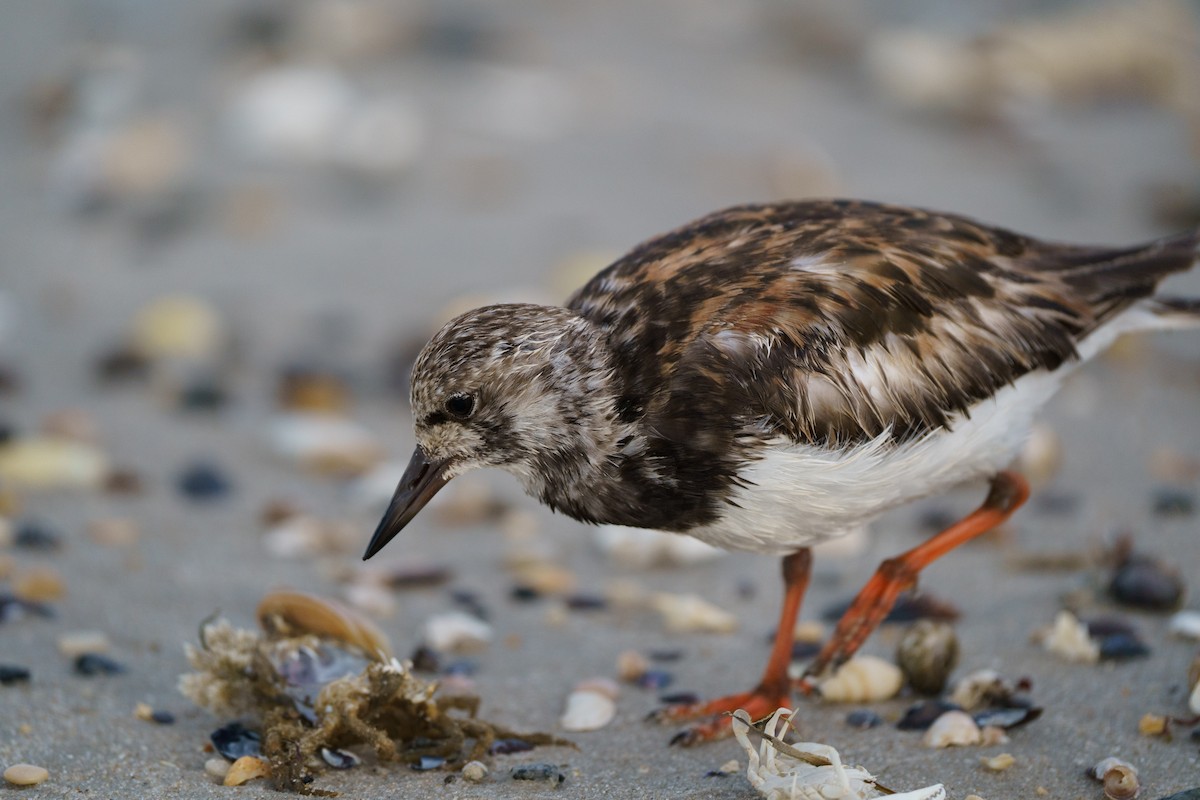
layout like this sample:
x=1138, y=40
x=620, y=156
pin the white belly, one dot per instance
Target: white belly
x=798, y=495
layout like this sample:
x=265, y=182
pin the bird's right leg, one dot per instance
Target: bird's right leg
x=773, y=690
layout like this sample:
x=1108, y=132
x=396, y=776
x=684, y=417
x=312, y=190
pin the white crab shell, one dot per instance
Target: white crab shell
x=777, y=775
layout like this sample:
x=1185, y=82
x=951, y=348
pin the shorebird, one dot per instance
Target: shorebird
x=771, y=376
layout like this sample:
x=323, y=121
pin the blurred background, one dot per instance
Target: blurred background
x=226, y=228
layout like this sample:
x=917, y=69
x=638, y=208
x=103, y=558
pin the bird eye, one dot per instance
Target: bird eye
x=460, y=405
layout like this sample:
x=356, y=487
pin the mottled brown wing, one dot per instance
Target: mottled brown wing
x=835, y=321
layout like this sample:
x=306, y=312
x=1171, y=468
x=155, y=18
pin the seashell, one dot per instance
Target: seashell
x=807, y=770
x=1005, y=718
x=631, y=665
x=1119, y=778
x=203, y=481
x=981, y=688
x=547, y=773
x=11, y=674
x=177, y=327
x=1185, y=624
x=544, y=577
x=236, y=740
x=863, y=719
x=990, y=735
x=474, y=771
x=77, y=643
x=39, y=585
x=926, y=654
x=73, y=424
x=326, y=443
x=26, y=774
x=44, y=462
x=640, y=548
x=909, y=608
x=998, y=763
x=952, y=729
x=246, y=768
x=113, y=531
x=862, y=679
x=455, y=630
x=1144, y=582
x=689, y=613
x=289, y=114
x=286, y=613
x=339, y=759
x=590, y=706
x=1194, y=682
x=217, y=767
x=1068, y=639
x=89, y=664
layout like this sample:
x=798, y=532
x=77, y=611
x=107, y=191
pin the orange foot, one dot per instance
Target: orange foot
x=713, y=720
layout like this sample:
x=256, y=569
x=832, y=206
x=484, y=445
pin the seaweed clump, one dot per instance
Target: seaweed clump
x=313, y=679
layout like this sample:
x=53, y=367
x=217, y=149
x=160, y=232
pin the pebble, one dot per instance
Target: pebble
x=631, y=665
x=113, y=532
x=589, y=707
x=863, y=719
x=689, y=613
x=998, y=763
x=587, y=602
x=1146, y=583
x=455, y=630
x=77, y=643
x=71, y=423
x=46, y=462
x=91, y=664
x=537, y=772
x=730, y=767
x=37, y=536
x=246, y=768
x=204, y=482
x=474, y=771
x=217, y=767
x=39, y=585
x=952, y=729
x=10, y=674
x=862, y=679
x=236, y=740
x=26, y=775
x=544, y=577
x=177, y=327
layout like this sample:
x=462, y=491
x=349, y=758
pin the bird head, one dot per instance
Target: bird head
x=505, y=386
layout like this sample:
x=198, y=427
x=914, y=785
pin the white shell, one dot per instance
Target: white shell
x=587, y=710
x=974, y=690
x=952, y=729
x=862, y=679
x=455, y=630
x=313, y=439
x=1068, y=639
x=1194, y=700
x=685, y=613
x=1119, y=776
x=474, y=771
x=1185, y=624
x=640, y=548
x=778, y=775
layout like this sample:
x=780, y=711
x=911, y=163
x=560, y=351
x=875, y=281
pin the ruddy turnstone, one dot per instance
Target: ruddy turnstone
x=772, y=376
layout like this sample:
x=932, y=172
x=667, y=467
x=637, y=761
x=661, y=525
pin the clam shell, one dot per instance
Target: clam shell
x=288, y=613
x=953, y=729
x=587, y=710
x=862, y=679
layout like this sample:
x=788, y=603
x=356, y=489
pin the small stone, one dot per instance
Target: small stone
x=1172, y=502
x=926, y=654
x=177, y=326
x=92, y=664
x=45, y=462
x=162, y=717
x=503, y=747
x=1143, y=582
x=39, y=585
x=202, y=481
x=631, y=665
x=998, y=763
x=77, y=643
x=217, y=767
x=474, y=771
x=587, y=602
x=71, y=423
x=37, y=536
x=537, y=772
x=327, y=443
x=11, y=674
x=246, y=768
x=1152, y=725
x=13, y=608
x=113, y=532
x=641, y=548
x=863, y=719
x=26, y=775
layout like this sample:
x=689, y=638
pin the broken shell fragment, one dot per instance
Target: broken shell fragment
x=246, y=768
x=862, y=679
x=1068, y=639
x=689, y=613
x=1119, y=778
x=926, y=654
x=590, y=706
x=952, y=729
x=288, y=613
x=998, y=763
x=981, y=688
x=1185, y=624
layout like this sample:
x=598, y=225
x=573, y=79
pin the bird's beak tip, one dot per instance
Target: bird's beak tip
x=421, y=481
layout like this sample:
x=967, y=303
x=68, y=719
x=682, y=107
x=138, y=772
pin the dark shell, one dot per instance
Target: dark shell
x=1121, y=646
x=862, y=719
x=417, y=577
x=927, y=654
x=426, y=659
x=1006, y=717
x=463, y=667
x=162, y=717
x=203, y=393
x=340, y=759
x=920, y=716
x=89, y=664
x=10, y=674
x=236, y=740
x=203, y=481
x=804, y=650
x=587, y=602
x=1172, y=502
x=524, y=594
x=1142, y=582
x=469, y=601
x=426, y=763
x=13, y=608
x=909, y=608
x=38, y=536
x=502, y=747
x=537, y=772
x=679, y=699
x=655, y=679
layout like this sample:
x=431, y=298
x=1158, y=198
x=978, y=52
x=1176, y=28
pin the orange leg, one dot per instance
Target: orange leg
x=773, y=691
x=1009, y=491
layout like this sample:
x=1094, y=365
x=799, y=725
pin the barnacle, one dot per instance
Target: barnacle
x=808, y=770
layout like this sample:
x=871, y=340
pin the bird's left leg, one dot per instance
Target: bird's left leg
x=1008, y=492
x=773, y=690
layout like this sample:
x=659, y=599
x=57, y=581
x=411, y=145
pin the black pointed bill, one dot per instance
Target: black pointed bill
x=421, y=481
